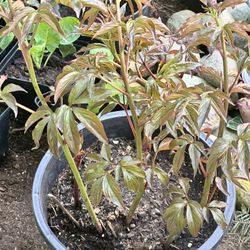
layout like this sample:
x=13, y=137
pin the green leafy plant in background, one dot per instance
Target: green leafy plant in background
x=136, y=66
x=6, y=40
x=46, y=40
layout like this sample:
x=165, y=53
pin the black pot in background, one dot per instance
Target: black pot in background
x=4, y=131
x=116, y=125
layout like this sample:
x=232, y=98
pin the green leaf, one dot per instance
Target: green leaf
x=178, y=159
x=12, y=88
x=96, y=192
x=70, y=26
x=97, y=4
x=243, y=157
x=195, y=155
x=70, y=132
x=52, y=138
x=111, y=190
x=6, y=40
x=204, y=111
x=234, y=123
x=219, y=217
x=38, y=131
x=174, y=216
x=46, y=40
x=128, y=161
x=67, y=50
x=10, y=101
x=194, y=217
x=104, y=51
x=39, y=114
x=131, y=181
x=92, y=123
x=106, y=151
x=178, y=68
x=95, y=171
x=162, y=175
x=76, y=91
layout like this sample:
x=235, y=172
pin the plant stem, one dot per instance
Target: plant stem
x=225, y=89
x=124, y=73
x=80, y=183
x=30, y=66
x=138, y=130
x=225, y=85
x=22, y=107
x=11, y=8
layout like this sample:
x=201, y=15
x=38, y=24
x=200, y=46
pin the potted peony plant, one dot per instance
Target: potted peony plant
x=139, y=67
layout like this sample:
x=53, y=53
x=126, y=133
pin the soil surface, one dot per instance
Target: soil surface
x=17, y=224
x=46, y=75
x=146, y=231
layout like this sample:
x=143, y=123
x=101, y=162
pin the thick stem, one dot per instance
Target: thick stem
x=30, y=66
x=225, y=85
x=11, y=7
x=225, y=89
x=80, y=184
x=124, y=73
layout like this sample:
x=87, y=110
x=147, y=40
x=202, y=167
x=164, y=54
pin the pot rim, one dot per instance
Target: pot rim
x=6, y=110
x=53, y=241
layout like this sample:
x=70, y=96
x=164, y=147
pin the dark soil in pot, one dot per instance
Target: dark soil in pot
x=146, y=231
x=46, y=75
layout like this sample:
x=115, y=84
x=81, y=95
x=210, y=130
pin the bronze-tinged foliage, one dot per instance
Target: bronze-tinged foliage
x=137, y=64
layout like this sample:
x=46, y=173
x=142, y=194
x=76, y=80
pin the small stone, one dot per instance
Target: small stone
x=120, y=235
x=111, y=217
x=128, y=229
x=157, y=211
x=240, y=12
x=141, y=214
x=115, y=142
x=190, y=245
x=132, y=225
x=178, y=19
x=97, y=210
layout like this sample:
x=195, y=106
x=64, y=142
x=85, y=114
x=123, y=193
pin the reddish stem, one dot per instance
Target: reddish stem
x=129, y=120
x=76, y=193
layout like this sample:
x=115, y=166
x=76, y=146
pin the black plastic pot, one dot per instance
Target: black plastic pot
x=4, y=131
x=116, y=125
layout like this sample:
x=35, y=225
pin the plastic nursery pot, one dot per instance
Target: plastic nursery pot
x=4, y=131
x=116, y=125
x=24, y=98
